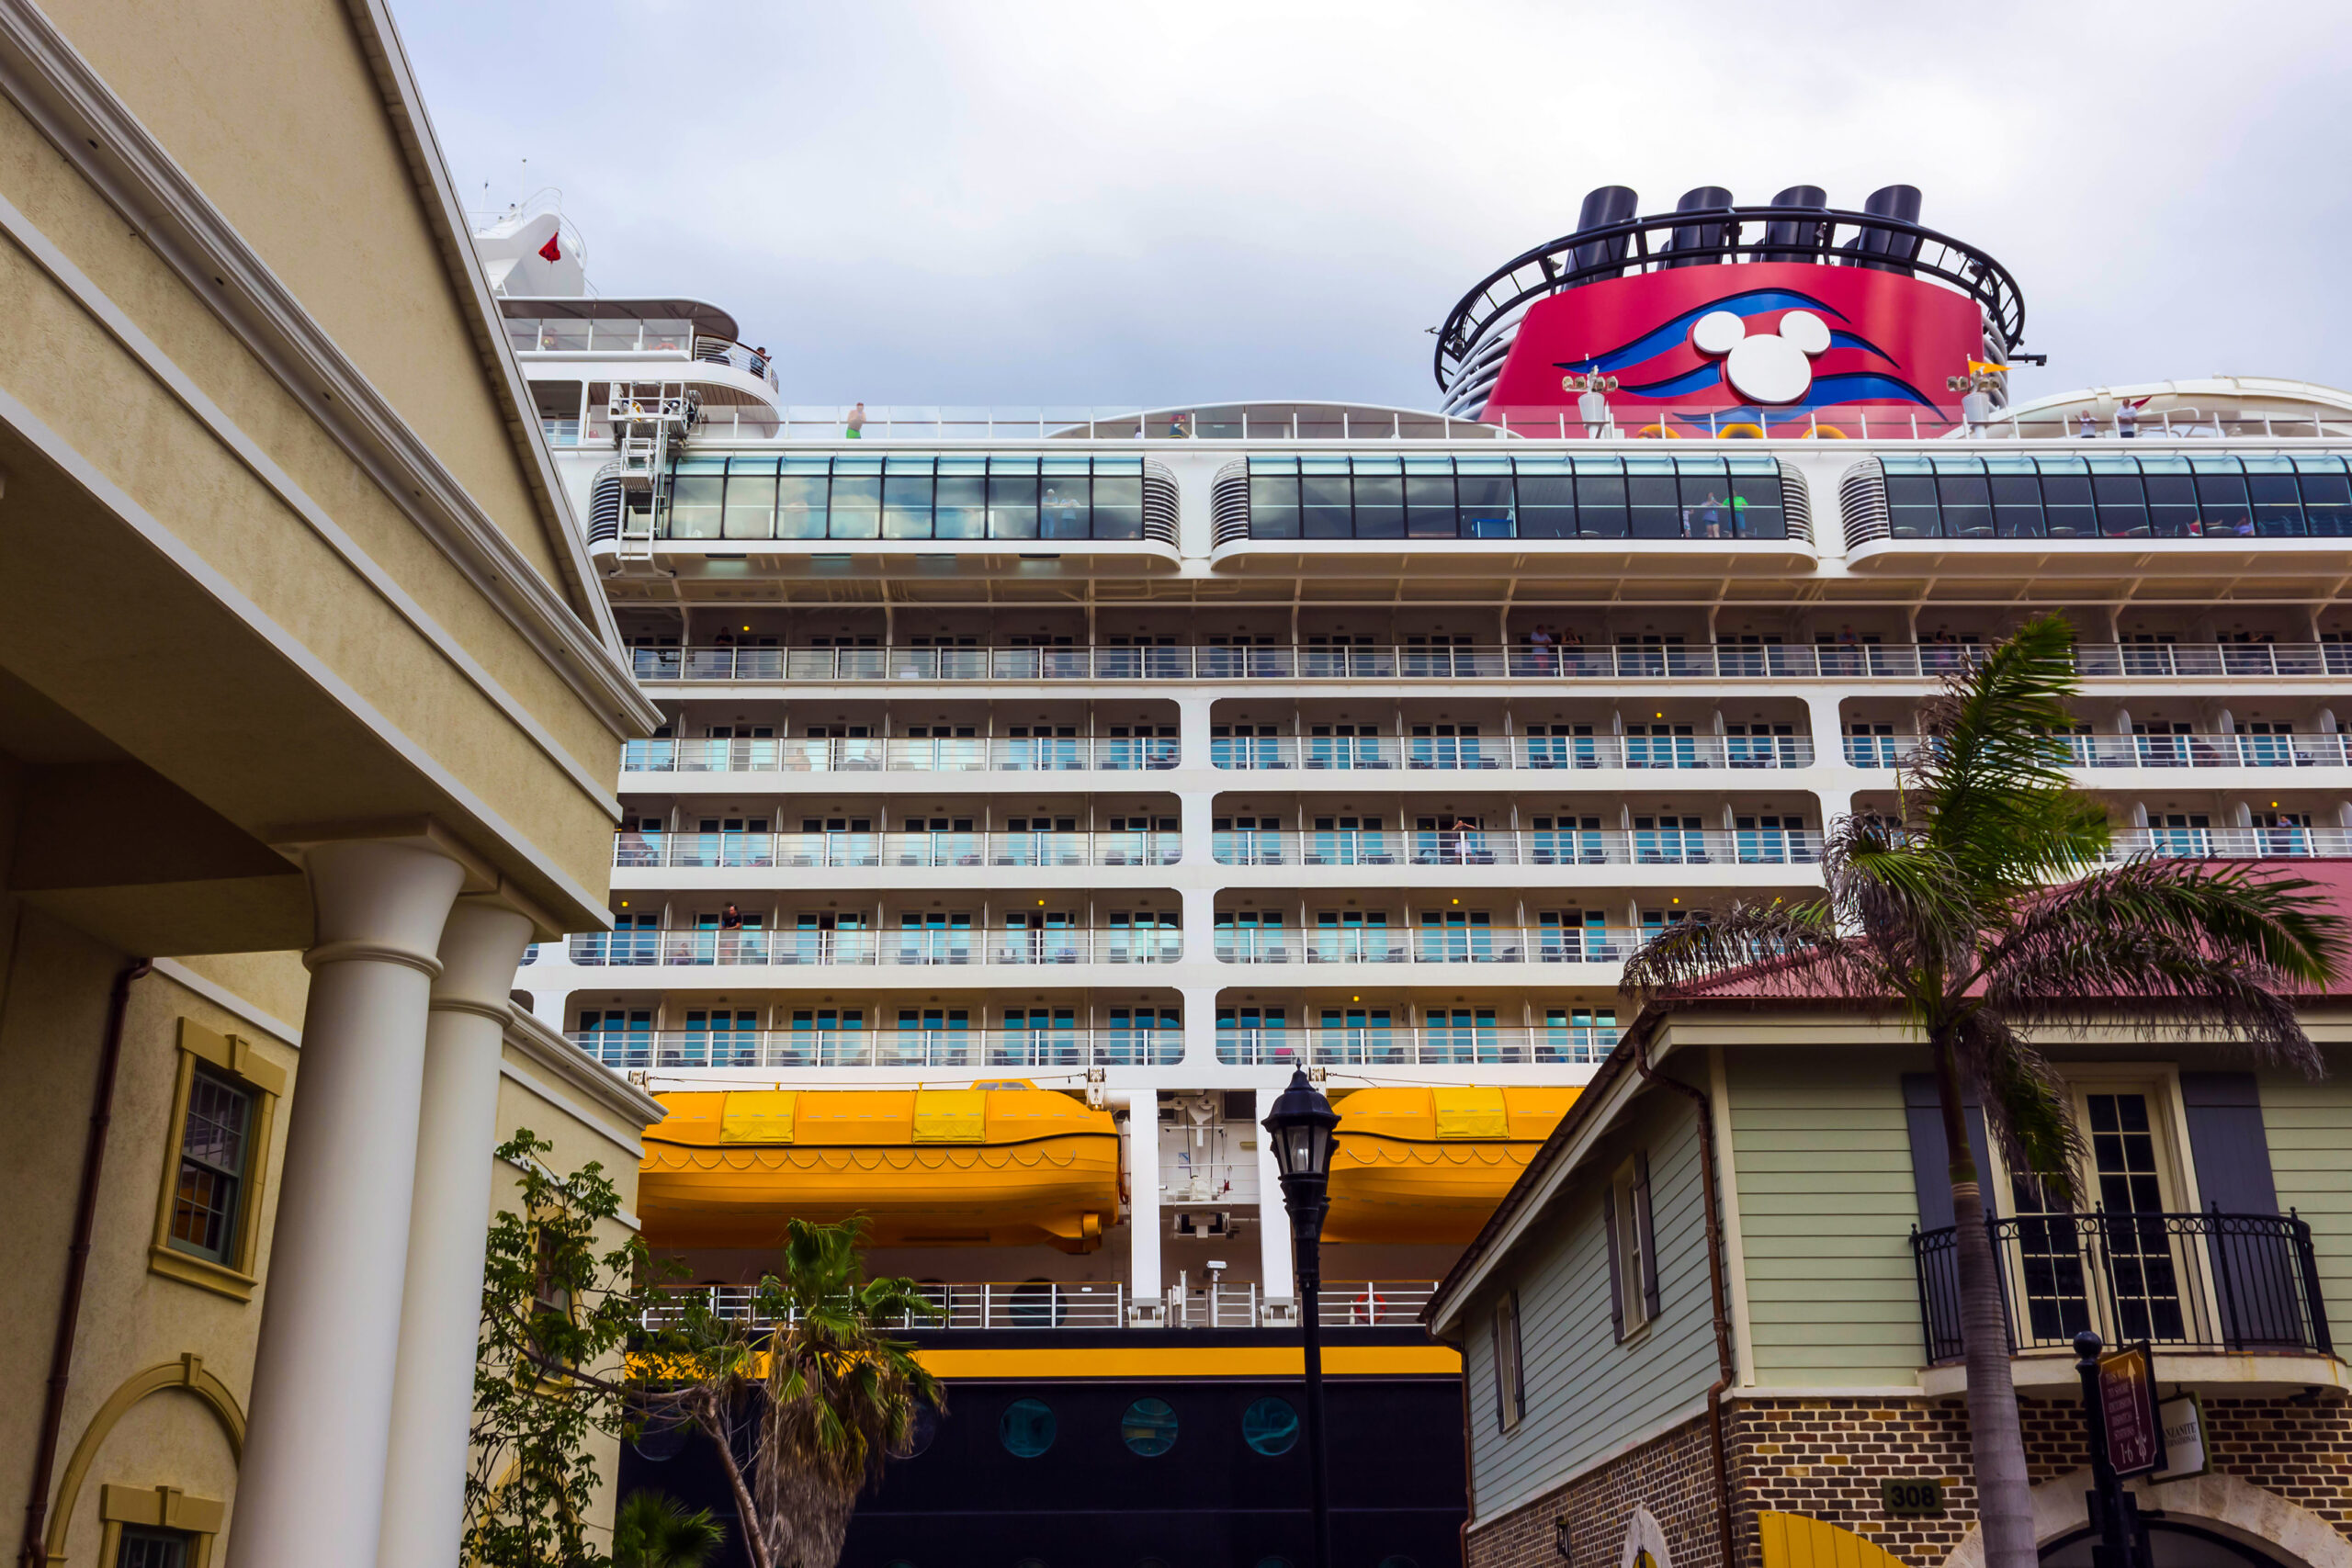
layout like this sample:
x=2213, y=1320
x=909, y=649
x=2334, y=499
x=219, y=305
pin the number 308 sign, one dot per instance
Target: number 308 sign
x=1913, y=1499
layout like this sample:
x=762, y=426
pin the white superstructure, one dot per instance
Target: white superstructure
x=1148, y=753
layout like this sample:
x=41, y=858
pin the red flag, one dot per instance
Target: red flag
x=548, y=251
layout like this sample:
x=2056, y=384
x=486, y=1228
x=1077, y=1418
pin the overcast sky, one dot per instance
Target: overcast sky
x=991, y=202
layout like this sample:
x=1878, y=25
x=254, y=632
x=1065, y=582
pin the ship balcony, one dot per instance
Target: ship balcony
x=2096, y=753
x=1640, y=665
x=1582, y=749
x=1427, y=940
x=805, y=754
x=1770, y=851
x=960, y=1307
x=1580, y=1040
x=810, y=948
x=646, y=849
x=1061, y=1047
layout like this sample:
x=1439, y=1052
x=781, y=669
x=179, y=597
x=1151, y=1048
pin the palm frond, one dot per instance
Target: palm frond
x=1788, y=948
x=2024, y=1101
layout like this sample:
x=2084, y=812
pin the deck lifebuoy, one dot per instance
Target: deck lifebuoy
x=1366, y=1308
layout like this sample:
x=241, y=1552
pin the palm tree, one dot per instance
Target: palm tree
x=1988, y=912
x=655, y=1530
x=819, y=1398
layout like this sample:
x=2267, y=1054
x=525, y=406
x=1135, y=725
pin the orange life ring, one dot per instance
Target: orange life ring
x=1367, y=1307
x=1657, y=433
x=1743, y=431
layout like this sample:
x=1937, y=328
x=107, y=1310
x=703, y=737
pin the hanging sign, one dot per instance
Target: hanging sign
x=2183, y=1420
x=2126, y=1394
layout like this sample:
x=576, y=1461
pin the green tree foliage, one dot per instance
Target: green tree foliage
x=558, y=1314
x=1989, y=911
x=654, y=1530
x=804, y=1395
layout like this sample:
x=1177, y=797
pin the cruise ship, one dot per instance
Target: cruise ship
x=1039, y=787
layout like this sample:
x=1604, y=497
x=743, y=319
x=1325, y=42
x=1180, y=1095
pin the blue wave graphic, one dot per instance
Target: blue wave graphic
x=1855, y=340
x=1659, y=339
x=1826, y=392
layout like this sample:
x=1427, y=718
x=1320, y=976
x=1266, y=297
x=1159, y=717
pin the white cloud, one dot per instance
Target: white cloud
x=1014, y=203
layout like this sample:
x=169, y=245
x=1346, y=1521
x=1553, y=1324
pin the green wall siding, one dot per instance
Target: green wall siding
x=1823, y=1162
x=2309, y=1126
x=1587, y=1394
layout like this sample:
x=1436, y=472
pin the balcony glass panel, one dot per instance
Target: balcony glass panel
x=2158, y=494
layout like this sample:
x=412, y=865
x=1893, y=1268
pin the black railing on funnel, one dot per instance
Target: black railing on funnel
x=2210, y=1282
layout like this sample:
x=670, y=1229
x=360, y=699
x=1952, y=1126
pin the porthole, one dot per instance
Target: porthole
x=1027, y=1430
x=1148, y=1428
x=1271, y=1426
x=921, y=1427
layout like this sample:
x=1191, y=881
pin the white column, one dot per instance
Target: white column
x=1143, y=1196
x=1273, y=1220
x=425, y=1479
x=311, y=1489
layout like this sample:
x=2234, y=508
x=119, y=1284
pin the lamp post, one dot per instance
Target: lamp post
x=1300, y=1124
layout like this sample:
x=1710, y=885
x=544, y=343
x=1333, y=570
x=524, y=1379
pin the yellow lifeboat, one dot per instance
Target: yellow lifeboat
x=1430, y=1165
x=1008, y=1164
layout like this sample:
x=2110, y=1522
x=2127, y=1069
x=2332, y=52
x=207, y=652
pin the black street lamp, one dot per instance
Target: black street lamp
x=1300, y=1123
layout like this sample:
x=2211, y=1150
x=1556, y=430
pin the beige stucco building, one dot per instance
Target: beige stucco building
x=304, y=680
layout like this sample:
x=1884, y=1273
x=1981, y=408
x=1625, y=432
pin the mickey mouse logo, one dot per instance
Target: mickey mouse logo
x=1774, y=370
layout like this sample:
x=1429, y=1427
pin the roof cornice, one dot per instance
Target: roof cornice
x=58, y=90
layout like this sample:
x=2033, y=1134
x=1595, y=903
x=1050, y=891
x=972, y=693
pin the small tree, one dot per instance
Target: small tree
x=805, y=1396
x=1987, y=913
x=559, y=1313
x=654, y=1530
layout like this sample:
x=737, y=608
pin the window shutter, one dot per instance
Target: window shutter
x=1930, y=1166
x=1518, y=1364
x=1648, y=1237
x=1502, y=1364
x=2229, y=1143
x=1616, y=1274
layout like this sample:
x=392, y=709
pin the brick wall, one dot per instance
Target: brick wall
x=1824, y=1458
x=1673, y=1476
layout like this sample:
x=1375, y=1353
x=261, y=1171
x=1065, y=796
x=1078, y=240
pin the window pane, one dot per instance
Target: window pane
x=1911, y=508
x=2278, y=504
x=1027, y=1428
x=213, y=1141
x=960, y=505
x=1148, y=1428
x=2327, y=502
x=1270, y=1427
x=2221, y=499
x=1380, y=499
x=1967, y=502
x=906, y=505
x=1273, y=506
x=800, y=506
x=1118, y=507
x=1755, y=507
x=2067, y=498
x=1601, y=505
x=1012, y=500
x=693, y=505
x=856, y=505
x=1655, y=503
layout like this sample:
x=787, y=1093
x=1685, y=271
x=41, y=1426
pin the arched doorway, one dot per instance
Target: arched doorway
x=2172, y=1544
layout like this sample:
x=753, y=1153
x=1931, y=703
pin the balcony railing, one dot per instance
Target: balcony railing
x=2210, y=1282
x=1315, y=753
x=1044, y=1304
x=2237, y=749
x=1565, y=846
x=2234, y=844
x=898, y=754
x=1408, y=945
x=1649, y=662
x=1470, y=1044
x=632, y=848
x=959, y=1049
x=801, y=949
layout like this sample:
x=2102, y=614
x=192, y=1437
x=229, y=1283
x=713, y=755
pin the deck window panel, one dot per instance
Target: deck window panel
x=1274, y=498
x=1013, y=498
x=1483, y=492
x=801, y=490
x=1379, y=498
x=1760, y=510
x=2067, y=507
x=960, y=499
x=905, y=499
x=1329, y=510
x=856, y=501
x=2278, y=503
x=1118, y=497
x=696, y=490
x=2327, y=496
x=1065, y=500
x=1965, y=500
x=1601, y=512
x=2223, y=504
x=2172, y=497
x=1653, y=499
x=1429, y=499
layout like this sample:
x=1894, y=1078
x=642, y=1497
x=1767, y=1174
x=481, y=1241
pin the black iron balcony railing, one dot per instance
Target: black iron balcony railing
x=2210, y=1282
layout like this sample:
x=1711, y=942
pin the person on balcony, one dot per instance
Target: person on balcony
x=855, y=427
